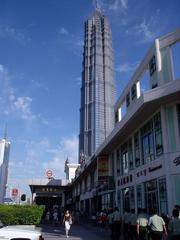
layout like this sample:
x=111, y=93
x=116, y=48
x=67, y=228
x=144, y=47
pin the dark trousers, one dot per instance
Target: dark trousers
x=133, y=232
x=111, y=230
x=143, y=233
x=156, y=235
x=126, y=231
x=175, y=237
x=116, y=230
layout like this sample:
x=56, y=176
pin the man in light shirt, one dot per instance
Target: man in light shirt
x=142, y=222
x=157, y=226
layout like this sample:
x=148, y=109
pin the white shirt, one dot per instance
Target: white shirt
x=156, y=223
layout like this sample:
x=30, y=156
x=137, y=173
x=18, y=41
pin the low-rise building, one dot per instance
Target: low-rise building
x=138, y=165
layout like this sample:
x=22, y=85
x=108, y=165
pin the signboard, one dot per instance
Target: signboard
x=103, y=167
x=49, y=173
x=14, y=192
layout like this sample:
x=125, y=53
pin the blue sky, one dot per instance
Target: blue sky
x=41, y=44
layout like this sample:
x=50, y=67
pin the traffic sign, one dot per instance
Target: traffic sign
x=14, y=192
x=49, y=173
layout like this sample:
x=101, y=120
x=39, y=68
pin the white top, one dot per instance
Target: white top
x=156, y=223
x=142, y=220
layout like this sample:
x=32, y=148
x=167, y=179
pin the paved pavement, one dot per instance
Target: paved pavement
x=77, y=232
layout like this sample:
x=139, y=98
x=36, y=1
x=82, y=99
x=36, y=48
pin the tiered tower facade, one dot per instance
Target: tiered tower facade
x=98, y=85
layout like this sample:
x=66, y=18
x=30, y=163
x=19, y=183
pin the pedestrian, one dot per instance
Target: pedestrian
x=47, y=216
x=142, y=223
x=126, y=223
x=110, y=222
x=67, y=221
x=157, y=226
x=116, y=224
x=174, y=225
x=55, y=217
x=133, y=225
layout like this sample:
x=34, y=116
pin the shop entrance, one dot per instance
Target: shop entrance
x=49, y=201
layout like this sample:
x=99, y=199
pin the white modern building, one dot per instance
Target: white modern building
x=4, y=160
x=142, y=153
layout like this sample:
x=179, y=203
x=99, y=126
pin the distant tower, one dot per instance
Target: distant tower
x=4, y=160
x=70, y=170
x=98, y=84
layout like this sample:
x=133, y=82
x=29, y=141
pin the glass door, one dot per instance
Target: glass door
x=151, y=198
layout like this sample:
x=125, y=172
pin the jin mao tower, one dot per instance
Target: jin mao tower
x=98, y=85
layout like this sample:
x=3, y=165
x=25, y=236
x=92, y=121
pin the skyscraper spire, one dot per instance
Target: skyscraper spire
x=5, y=131
x=98, y=6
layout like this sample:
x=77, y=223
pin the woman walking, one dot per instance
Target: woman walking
x=67, y=221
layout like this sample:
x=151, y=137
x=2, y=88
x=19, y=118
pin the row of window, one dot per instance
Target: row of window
x=149, y=195
x=143, y=147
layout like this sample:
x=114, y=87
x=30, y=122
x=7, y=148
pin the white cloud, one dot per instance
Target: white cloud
x=15, y=34
x=145, y=31
x=10, y=103
x=63, y=31
x=127, y=67
x=78, y=80
x=118, y=5
x=68, y=147
x=53, y=157
x=22, y=105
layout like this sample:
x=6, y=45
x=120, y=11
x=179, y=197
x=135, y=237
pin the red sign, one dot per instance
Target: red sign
x=49, y=173
x=14, y=192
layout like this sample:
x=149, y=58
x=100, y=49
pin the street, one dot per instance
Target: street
x=78, y=232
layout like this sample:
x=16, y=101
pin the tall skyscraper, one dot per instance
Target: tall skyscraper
x=98, y=85
x=4, y=160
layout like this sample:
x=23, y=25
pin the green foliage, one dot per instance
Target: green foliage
x=18, y=214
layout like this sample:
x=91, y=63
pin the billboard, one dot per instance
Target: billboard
x=103, y=168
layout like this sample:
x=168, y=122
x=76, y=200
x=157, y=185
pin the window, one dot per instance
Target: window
x=116, y=117
x=152, y=65
x=124, y=157
x=136, y=149
x=127, y=100
x=139, y=196
x=133, y=92
x=147, y=140
x=118, y=162
x=130, y=155
x=158, y=134
x=178, y=117
x=127, y=157
x=163, y=196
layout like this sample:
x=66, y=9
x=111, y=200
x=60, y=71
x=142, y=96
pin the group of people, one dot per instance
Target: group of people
x=55, y=217
x=131, y=226
x=141, y=226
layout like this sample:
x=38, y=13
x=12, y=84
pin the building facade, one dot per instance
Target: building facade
x=98, y=87
x=4, y=160
x=138, y=164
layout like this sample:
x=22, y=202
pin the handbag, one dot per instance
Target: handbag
x=70, y=221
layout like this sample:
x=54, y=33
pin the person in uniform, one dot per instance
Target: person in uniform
x=174, y=225
x=142, y=223
x=157, y=226
x=116, y=224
